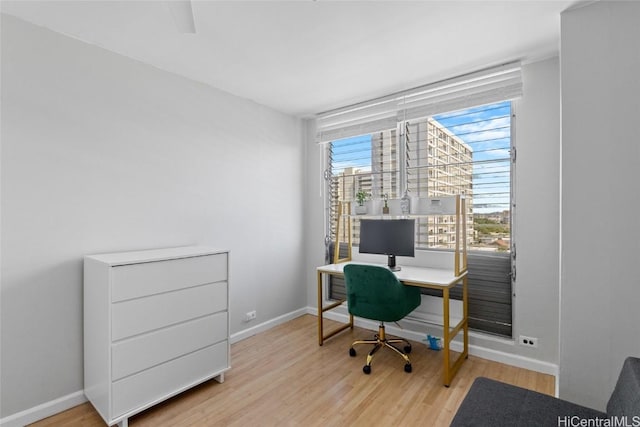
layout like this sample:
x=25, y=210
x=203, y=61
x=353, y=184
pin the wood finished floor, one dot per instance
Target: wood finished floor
x=281, y=377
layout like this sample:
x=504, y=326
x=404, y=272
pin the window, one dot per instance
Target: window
x=463, y=152
x=403, y=142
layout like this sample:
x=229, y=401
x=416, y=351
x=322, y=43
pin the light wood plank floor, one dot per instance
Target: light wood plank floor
x=281, y=377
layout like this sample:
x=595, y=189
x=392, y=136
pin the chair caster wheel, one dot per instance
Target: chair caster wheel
x=407, y=367
x=352, y=352
x=407, y=349
x=366, y=369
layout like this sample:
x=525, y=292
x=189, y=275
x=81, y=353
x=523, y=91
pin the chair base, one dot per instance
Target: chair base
x=380, y=340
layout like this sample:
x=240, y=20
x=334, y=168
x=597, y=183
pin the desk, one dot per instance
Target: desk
x=433, y=278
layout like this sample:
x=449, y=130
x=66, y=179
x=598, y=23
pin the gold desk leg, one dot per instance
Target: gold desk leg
x=445, y=337
x=320, y=333
x=321, y=310
x=465, y=313
x=451, y=370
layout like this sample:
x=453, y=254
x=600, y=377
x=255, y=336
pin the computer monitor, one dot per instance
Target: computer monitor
x=391, y=237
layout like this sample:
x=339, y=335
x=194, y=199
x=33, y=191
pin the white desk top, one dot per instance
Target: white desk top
x=416, y=276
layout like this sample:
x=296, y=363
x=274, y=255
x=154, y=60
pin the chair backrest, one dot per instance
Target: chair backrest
x=374, y=292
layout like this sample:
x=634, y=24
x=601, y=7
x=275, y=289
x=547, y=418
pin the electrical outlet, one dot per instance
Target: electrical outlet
x=528, y=341
x=251, y=315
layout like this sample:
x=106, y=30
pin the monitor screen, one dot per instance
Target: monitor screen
x=387, y=237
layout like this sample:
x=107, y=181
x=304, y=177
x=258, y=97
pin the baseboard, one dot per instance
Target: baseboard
x=53, y=407
x=475, y=350
x=56, y=406
x=246, y=333
x=44, y=410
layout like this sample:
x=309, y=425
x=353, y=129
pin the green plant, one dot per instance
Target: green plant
x=361, y=197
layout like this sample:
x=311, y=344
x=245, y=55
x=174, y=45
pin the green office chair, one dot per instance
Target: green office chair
x=374, y=292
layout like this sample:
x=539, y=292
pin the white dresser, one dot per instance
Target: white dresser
x=155, y=324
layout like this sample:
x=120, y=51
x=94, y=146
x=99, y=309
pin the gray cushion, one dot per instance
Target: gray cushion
x=491, y=403
x=625, y=399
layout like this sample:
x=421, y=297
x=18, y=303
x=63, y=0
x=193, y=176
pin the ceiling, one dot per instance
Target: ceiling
x=303, y=57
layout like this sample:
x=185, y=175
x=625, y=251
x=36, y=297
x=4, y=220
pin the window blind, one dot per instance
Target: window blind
x=368, y=117
x=481, y=87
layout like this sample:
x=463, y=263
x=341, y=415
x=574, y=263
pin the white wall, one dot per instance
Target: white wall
x=600, y=198
x=537, y=213
x=102, y=153
x=536, y=229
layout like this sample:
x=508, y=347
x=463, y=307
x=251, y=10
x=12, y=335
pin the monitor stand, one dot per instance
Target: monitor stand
x=391, y=263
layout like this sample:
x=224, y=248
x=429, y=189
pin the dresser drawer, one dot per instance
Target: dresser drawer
x=142, y=315
x=158, y=383
x=148, y=350
x=149, y=278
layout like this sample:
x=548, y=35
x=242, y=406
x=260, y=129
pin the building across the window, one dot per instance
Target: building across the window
x=446, y=161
